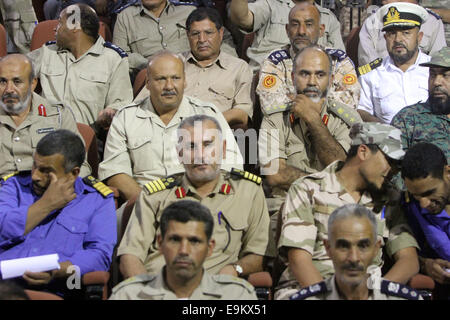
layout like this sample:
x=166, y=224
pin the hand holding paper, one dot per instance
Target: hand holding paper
x=17, y=267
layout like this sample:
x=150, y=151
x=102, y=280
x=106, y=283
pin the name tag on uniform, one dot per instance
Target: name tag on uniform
x=45, y=130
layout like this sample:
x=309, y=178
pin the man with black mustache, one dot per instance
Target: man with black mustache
x=430, y=121
x=352, y=245
x=391, y=83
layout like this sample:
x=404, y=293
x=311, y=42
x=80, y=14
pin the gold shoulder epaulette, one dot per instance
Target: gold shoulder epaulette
x=281, y=108
x=369, y=67
x=103, y=189
x=347, y=114
x=160, y=184
x=6, y=177
x=246, y=175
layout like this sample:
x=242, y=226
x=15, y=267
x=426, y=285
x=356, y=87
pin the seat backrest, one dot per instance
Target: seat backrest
x=247, y=42
x=38, y=6
x=3, y=50
x=44, y=31
x=351, y=45
x=139, y=82
x=105, y=31
x=90, y=141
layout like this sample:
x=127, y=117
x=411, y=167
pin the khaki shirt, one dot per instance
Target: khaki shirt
x=141, y=34
x=269, y=23
x=327, y=290
x=226, y=82
x=140, y=145
x=275, y=82
x=309, y=204
x=241, y=222
x=17, y=144
x=19, y=20
x=212, y=287
x=96, y=80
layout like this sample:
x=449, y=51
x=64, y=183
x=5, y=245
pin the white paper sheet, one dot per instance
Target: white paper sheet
x=16, y=267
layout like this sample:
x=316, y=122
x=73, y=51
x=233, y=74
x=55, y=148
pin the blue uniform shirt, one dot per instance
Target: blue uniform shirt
x=84, y=232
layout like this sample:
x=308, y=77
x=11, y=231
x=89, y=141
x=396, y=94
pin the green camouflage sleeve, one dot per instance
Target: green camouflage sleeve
x=399, y=121
x=298, y=229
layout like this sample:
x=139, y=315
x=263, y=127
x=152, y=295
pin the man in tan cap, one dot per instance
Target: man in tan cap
x=430, y=121
x=235, y=198
x=363, y=179
x=185, y=242
x=352, y=244
x=391, y=83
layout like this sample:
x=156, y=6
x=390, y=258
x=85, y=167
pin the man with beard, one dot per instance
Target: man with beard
x=363, y=179
x=26, y=117
x=235, y=198
x=309, y=134
x=427, y=207
x=141, y=141
x=394, y=82
x=303, y=29
x=352, y=245
x=185, y=242
x=53, y=210
x=430, y=121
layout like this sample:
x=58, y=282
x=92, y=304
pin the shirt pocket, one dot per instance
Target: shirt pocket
x=295, y=153
x=223, y=97
x=385, y=97
x=139, y=149
x=71, y=233
x=141, y=43
x=228, y=233
x=92, y=87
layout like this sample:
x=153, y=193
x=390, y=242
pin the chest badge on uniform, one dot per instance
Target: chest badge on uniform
x=349, y=79
x=180, y=192
x=269, y=81
x=325, y=119
x=225, y=188
x=41, y=110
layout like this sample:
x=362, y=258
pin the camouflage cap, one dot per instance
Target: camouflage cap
x=386, y=137
x=439, y=59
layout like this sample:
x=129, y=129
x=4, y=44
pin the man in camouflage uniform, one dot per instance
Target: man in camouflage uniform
x=292, y=139
x=235, y=198
x=363, y=179
x=275, y=83
x=430, y=121
x=19, y=20
x=268, y=18
x=352, y=245
x=185, y=242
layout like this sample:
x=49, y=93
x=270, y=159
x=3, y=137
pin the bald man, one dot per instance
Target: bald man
x=25, y=117
x=141, y=141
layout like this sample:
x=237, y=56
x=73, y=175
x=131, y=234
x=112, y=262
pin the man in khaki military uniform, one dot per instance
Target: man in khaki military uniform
x=141, y=141
x=19, y=20
x=26, y=117
x=364, y=179
x=352, y=245
x=308, y=134
x=268, y=19
x=212, y=74
x=145, y=27
x=185, y=242
x=303, y=29
x=235, y=199
x=82, y=70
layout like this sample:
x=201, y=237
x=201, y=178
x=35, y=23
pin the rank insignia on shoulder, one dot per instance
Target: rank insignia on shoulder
x=280, y=108
x=42, y=111
x=6, y=177
x=239, y=174
x=399, y=290
x=225, y=188
x=369, y=67
x=103, y=189
x=180, y=192
x=130, y=3
x=349, y=115
x=310, y=291
x=434, y=14
x=117, y=49
x=278, y=56
x=160, y=184
x=337, y=53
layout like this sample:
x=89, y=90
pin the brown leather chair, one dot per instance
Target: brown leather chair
x=248, y=40
x=424, y=284
x=90, y=142
x=105, y=31
x=139, y=82
x=3, y=49
x=40, y=295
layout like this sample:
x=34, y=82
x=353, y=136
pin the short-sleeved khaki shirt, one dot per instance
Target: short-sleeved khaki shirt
x=212, y=287
x=96, y=80
x=17, y=144
x=275, y=80
x=140, y=145
x=141, y=34
x=309, y=204
x=241, y=222
x=269, y=24
x=226, y=82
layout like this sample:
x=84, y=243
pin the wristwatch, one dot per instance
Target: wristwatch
x=238, y=269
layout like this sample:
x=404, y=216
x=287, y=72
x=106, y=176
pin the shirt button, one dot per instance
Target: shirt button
x=164, y=45
x=17, y=139
x=19, y=160
x=161, y=27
